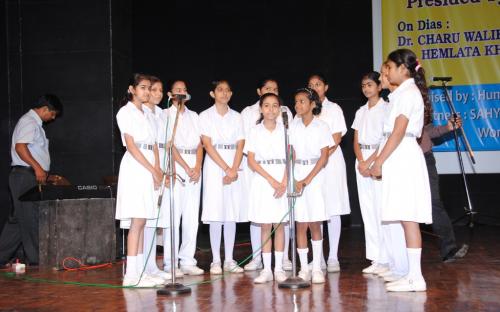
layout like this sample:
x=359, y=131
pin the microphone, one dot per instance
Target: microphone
x=284, y=115
x=180, y=97
x=441, y=78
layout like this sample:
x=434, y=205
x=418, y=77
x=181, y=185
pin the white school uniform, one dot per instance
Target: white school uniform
x=222, y=203
x=405, y=182
x=187, y=194
x=268, y=146
x=307, y=143
x=337, y=195
x=369, y=122
x=250, y=115
x=136, y=197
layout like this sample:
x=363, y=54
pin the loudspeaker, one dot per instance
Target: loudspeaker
x=79, y=228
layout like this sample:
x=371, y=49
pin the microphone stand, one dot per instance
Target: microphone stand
x=292, y=282
x=469, y=211
x=173, y=288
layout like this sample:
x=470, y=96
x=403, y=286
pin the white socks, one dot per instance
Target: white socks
x=229, y=237
x=414, y=255
x=317, y=247
x=131, y=267
x=334, y=238
x=304, y=265
x=215, y=239
x=286, y=227
x=255, y=239
x=266, y=256
x=278, y=261
x=150, y=243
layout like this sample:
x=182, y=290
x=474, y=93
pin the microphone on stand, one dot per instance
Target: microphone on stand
x=284, y=115
x=180, y=97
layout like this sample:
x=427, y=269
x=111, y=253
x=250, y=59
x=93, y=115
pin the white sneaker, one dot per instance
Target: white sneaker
x=280, y=276
x=264, y=277
x=215, y=268
x=318, y=277
x=232, y=267
x=381, y=268
x=156, y=279
x=178, y=273
x=323, y=265
x=386, y=273
x=408, y=284
x=392, y=278
x=162, y=274
x=370, y=269
x=304, y=275
x=255, y=264
x=134, y=282
x=287, y=265
x=333, y=267
x=191, y=270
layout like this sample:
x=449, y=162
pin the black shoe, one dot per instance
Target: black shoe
x=456, y=254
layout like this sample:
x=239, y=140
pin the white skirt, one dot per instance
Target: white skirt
x=223, y=203
x=406, y=194
x=337, y=195
x=136, y=197
x=310, y=206
x=262, y=206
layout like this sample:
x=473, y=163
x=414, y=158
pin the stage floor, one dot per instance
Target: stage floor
x=470, y=284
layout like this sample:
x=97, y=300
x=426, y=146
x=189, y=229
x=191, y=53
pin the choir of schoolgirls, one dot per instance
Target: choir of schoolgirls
x=244, y=177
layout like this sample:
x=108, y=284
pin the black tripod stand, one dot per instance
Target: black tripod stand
x=469, y=211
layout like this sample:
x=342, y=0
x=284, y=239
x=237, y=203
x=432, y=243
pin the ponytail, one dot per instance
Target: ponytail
x=133, y=82
x=417, y=72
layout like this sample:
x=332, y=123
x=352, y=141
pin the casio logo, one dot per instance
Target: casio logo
x=86, y=187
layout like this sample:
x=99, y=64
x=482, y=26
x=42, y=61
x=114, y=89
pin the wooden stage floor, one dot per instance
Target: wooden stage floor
x=471, y=284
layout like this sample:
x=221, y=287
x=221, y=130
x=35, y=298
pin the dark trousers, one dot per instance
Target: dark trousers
x=24, y=233
x=441, y=224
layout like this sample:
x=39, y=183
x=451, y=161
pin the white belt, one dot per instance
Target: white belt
x=368, y=146
x=306, y=161
x=225, y=146
x=407, y=135
x=187, y=151
x=144, y=146
x=272, y=162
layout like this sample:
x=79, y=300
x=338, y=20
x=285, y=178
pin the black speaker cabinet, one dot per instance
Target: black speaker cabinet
x=79, y=228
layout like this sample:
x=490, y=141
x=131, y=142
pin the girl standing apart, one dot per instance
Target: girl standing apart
x=311, y=140
x=337, y=196
x=401, y=164
x=139, y=176
x=368, y=134
x=267, y=204
x=223, y=199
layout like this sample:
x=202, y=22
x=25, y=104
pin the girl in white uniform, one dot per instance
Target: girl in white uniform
x=337, y=196
x=368, y=134
x=224, y=201
x=311, y=140
x=139, y=175
x=401, y=164
x=393, y=235
x=265, y=146
x=250, y=115
x=188, y=155
x=155, y=113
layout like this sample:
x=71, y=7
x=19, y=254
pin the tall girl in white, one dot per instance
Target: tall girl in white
x=401, y=165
